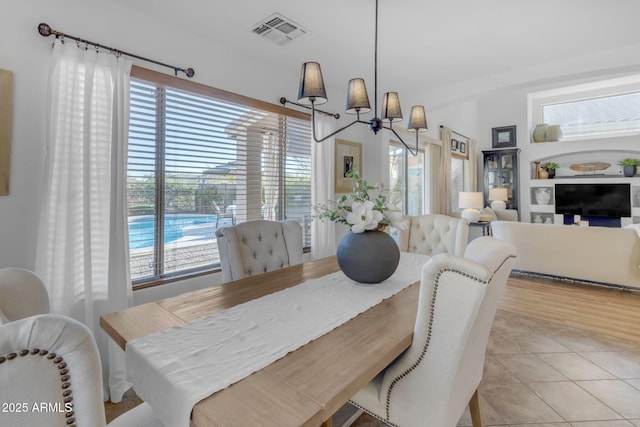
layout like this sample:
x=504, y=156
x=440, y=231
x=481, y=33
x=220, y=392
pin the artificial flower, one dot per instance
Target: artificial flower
x=366, y=208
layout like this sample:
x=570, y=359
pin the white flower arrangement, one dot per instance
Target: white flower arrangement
x=366, y=208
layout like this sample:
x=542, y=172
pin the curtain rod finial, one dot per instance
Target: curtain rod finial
x=44, y=30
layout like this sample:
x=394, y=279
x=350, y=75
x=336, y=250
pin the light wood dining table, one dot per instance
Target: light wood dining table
x=308, y=385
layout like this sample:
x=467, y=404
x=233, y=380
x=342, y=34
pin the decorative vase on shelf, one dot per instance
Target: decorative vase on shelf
x=544, y=174
x=629, y=171
x=548, y=220
x=368, y=257
x=540, y=132
x=543, y=196
x=554, y=133
x=537, y=219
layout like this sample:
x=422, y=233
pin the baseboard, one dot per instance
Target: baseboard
x=574, y=281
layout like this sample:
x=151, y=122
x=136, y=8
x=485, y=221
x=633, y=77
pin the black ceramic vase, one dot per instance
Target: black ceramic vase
x=368, y=257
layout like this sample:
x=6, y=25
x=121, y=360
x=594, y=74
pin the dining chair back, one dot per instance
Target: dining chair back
x=256, y=247
x=22, y=294
x=50, y=372
x=433, y=381
x=433, y=234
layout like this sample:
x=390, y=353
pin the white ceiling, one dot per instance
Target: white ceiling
x=422, y=44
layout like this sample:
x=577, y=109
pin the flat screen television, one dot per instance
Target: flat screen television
x=603, y=200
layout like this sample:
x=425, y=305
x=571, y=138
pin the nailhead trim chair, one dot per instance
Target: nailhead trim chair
x=256, y=247
x=432, y=382
x=434, y=234
x=50, y=372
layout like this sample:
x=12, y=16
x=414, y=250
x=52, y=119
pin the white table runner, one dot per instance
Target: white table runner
x=174, y=369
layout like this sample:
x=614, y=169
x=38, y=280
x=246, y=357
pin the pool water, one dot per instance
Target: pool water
x=141, y=228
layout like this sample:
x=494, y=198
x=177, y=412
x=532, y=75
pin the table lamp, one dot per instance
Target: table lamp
x=472, y=203
x=498, y=197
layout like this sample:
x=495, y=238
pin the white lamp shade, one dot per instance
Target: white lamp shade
x=498, y=196
x=471, y=200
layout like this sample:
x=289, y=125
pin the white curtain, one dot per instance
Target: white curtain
x=445, y=171
x=323, y=232
x=83, y=248
x=473, y=164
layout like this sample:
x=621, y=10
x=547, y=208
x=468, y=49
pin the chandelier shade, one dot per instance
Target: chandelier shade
x=311, y=89
x=417, y=119
x=391, y=107
x=357, y=97
x=312, y=92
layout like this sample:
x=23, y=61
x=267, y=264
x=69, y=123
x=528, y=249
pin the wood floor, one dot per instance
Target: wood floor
x=599, y=309
x=596, y=309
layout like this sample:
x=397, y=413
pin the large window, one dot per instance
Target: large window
x=460, y=180
x=201, y=159
x=599, y=109
x=406, y=179
x=607, y=115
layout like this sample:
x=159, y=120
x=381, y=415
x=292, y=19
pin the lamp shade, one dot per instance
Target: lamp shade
x=391, y=107
x=357, y=98
x=417, y=119
x=498, y=194
x=471, y=200
x=311, y=85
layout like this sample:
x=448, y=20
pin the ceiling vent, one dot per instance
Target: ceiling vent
x=278, y=29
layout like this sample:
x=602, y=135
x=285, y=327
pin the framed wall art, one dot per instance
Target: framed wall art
x=6, y=107
x=347, y=156
x=504, y=137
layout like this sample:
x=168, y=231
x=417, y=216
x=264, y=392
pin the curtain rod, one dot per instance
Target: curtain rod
x=284, y=101
x=45, y=30
x=459, y=134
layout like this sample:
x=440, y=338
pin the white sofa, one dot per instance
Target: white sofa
x=594, y=254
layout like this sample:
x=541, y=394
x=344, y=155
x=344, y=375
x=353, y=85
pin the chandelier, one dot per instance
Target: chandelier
x=312, y=92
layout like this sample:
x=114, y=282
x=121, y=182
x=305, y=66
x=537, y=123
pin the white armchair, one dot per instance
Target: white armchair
x=53, y=360
x=256, y=247
x=22, y=294
x=434, y=234
x=431, y=383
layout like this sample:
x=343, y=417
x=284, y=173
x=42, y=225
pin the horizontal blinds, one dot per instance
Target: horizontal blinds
x=218, y=163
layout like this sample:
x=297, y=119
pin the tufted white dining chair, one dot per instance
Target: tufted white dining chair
x=432, y=382
x=22, y=294
x=52, y=361
x=256, y=247
x=434, y=234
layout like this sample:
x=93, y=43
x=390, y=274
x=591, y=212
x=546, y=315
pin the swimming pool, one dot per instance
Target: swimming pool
x=141, y=228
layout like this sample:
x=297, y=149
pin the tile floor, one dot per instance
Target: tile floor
x=541, y=374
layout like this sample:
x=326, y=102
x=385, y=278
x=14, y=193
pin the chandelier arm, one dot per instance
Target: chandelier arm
x=413, y=153
x=324, y=138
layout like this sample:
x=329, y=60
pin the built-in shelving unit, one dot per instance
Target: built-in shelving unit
x=542, y=192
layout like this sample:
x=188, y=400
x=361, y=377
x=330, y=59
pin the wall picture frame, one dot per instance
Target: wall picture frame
x=462, y=147
x=504, y=137
x=6, y=111
x=347, y=156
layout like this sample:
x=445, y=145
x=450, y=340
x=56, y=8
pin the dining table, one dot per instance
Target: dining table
x=306, y=386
